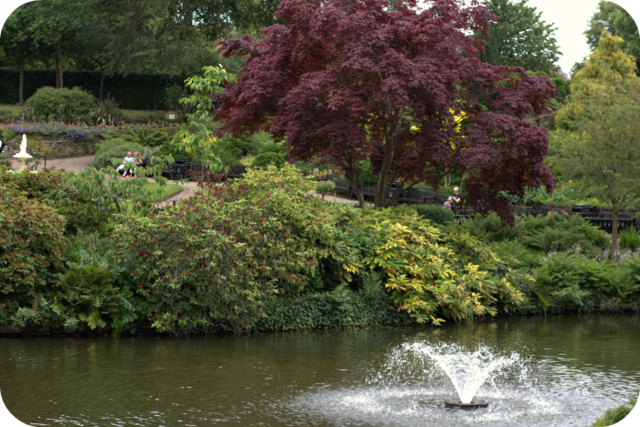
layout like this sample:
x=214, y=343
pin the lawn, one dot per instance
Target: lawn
x=166, y=190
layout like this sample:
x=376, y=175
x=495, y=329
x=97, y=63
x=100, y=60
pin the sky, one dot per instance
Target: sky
x=570, y=18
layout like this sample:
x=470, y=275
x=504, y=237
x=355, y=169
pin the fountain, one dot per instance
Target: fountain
x=415, y=384
x=466, y=370
x=23, y=156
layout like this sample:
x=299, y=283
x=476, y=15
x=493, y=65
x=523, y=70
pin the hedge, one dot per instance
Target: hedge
x=134, y=91
x=437, y=214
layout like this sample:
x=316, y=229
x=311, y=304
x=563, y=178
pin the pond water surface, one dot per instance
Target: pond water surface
x=573, y=369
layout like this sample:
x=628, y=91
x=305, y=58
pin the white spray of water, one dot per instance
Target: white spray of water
x=468, y=370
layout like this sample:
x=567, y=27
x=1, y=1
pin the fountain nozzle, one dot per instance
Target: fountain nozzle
x=457, y=404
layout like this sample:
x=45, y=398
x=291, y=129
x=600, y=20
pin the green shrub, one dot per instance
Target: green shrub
x=426, y=268
x=174, y=93
x=566, y=233
x=67, y=104
x=372, y=286
x=115, y=147
x=232, y=250
x=142, y=136
x=7, y=134
x=106, y=112
x=325, y=187
x=629, y=239
x=269, y=158
x=88, y=294
x=436, y=214
x=567, y=279
x=31, y=244
x=347, y=309
x=366, y=173
x=80, y=212
x=615, y=415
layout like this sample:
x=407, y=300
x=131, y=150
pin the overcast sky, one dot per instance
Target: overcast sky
x=570, y=18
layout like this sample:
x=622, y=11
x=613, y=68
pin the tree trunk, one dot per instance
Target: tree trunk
x=21, y=84
x=57, y=72
x=382, y=190
x=614, y=232
x=101, y=82
x=59, y=62
x=357, y=188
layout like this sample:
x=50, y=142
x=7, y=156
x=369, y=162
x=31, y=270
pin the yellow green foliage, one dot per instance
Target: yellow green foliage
x=607, y=65
x=431, y=273
x=608, y=56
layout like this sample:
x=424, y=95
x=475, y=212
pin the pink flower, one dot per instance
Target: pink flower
x=140, y=253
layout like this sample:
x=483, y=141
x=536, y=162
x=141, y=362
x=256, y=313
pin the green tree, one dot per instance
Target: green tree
x=91, y=50
x=520, y=37
x=617, y=22
x=175, y=36
x=61, y=25
x=201, y=144
x=606, y=64
x=604, y=147
x=16, y=42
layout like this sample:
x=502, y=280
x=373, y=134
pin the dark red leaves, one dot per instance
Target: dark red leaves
x=348, y=80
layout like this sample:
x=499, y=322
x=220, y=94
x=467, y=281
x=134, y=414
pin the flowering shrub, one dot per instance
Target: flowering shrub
x=219, y=259
x=31, y=244
x=80, y=211
x=207, y=262
x=76, y=131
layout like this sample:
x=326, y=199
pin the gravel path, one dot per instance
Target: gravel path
x=75, y=164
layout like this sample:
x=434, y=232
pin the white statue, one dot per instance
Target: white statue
x=23, y=144
x=23, y=156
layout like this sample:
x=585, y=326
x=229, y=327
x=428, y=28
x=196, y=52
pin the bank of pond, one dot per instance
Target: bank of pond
x=261, y=254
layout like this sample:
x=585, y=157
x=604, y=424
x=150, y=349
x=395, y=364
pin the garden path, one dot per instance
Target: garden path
x=76, y=164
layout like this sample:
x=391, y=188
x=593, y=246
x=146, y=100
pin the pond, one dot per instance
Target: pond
x=570, y=369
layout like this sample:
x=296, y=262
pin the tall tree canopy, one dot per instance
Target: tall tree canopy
x=617, y=22
x=351, y=80
x=16, y=42
x=603, y=149
x=608, y=64
x=520, y=38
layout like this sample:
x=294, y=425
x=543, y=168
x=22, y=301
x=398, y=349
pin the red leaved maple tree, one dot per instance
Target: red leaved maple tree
x=351, y=80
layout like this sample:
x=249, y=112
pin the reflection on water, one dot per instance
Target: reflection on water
x=576, y=368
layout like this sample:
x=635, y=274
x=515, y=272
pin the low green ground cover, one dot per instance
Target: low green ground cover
x=165, y=190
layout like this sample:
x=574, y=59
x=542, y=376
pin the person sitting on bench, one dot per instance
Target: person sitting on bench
x=127, y=160
x=453, y=200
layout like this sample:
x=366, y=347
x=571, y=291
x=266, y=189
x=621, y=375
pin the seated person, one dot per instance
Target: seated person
x=127, y=159
x=453, y=200
x=136, y=159
x=138, y=162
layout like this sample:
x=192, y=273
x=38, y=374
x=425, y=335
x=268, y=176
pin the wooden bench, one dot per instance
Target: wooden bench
x=413, y=195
